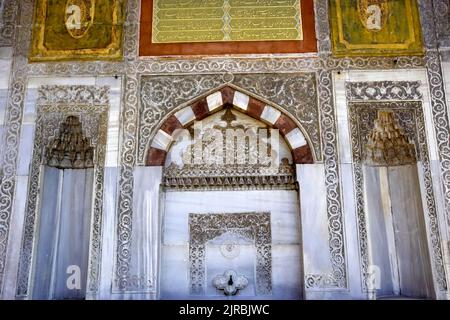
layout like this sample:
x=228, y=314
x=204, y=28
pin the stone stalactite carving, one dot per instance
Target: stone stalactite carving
x=71, y=149
x=387, y=144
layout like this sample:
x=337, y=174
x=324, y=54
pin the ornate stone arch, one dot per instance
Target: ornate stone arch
x=231, y=96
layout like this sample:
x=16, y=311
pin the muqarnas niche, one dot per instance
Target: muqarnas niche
x=398, y=251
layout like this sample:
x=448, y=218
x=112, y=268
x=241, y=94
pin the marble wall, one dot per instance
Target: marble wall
x=317, y=234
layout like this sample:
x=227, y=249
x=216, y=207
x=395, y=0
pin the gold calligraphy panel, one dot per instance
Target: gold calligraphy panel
x=77, y=30
x=375, y=27
x=176, y=21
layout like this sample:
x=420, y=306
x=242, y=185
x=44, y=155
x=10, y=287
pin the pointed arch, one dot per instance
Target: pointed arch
x=231, y=96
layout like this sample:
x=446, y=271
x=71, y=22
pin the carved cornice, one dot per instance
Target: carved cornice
x=228, y=177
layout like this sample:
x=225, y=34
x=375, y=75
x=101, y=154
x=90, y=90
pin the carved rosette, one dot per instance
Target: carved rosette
x=388, y=144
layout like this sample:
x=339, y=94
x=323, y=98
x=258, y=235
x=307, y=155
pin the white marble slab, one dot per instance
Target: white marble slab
x=115, y=99
x=283, y=206
x=316, y=252
x=5, y=66
x=109, y=231
x=270, y=114
x=145, y=232
x=214, y=100
x=15, y=239
x=287, y=272
x=241, y=100
x=25, y=149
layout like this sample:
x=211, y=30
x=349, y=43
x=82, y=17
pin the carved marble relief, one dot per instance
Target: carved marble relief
x=58, y=109
x=135, y=67
x=252, y=226
x=296, y=93
x=409, y=116
x=442, y=20
x=230, y=282
x=77, y=30
x=8, y=15
x=71, y=149
x=387, y=144
x=206, y=157
x=374, y=27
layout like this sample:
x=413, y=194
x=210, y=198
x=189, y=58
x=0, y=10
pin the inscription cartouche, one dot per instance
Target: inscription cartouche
x=226, y=20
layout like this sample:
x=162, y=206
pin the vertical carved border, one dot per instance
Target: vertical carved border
x=55, y=103
x=441, y=123
x=338, y=278
x=442, y=21
x=8, y=22
x=322, y=27
x=128, y=152
x=11, y=138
